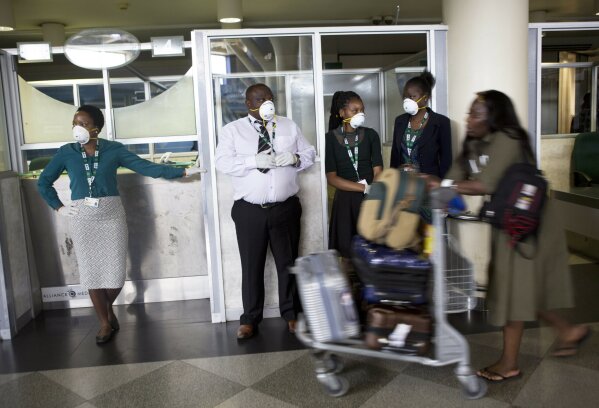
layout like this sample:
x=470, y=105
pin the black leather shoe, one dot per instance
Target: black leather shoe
x=245, y=331
x=104, y=339
x=115, y=324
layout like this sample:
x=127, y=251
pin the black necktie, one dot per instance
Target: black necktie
x=263, y=143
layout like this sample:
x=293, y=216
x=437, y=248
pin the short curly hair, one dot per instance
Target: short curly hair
x=95, y=113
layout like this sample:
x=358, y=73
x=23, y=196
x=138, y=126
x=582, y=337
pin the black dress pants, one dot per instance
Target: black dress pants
x=257, y=227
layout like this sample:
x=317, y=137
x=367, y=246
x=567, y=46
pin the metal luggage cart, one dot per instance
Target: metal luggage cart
x=453, y=292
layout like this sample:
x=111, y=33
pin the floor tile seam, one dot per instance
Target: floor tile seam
x=70, y=390
x=130, y=381
x=210, y=372
x=167, y=362
x=56, y=384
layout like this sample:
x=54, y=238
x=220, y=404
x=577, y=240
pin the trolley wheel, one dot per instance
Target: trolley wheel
x=334, y=385
x=333, y=364
x=474, y=387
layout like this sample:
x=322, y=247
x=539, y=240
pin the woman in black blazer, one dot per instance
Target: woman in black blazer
x=421, y=137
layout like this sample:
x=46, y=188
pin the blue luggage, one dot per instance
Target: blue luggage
x=391, y=275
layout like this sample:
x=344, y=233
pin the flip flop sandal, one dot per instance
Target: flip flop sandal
x=572, y=349
x=494, y=377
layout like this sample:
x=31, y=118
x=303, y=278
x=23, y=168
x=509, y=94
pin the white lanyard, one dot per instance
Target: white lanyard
x=91, y=174
x=416, y=132
x=353, y=157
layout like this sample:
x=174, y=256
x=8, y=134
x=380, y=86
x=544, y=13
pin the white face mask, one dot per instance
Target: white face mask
x=80, y=134
x=357, y=120
x=410, y=106
x=267, y=110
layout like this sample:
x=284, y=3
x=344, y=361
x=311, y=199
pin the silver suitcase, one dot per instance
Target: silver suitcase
x=326, y=297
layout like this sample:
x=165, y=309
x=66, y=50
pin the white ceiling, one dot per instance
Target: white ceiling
x=167, y=17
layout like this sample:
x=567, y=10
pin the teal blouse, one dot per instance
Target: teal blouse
x=112, y=155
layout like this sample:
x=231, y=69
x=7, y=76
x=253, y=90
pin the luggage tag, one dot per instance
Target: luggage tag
x=92, y=202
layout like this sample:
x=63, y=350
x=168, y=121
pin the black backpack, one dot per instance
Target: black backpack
x=518, y=202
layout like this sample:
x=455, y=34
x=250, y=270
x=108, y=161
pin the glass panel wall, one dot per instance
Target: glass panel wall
x=568, y=104
x=376, y=66
x=282, y=63
x=150, y=98
x=4, y=153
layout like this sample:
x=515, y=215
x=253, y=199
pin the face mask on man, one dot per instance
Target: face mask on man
x=411, y=106
x=267, y=110
x=81, y=134
x=357, y=120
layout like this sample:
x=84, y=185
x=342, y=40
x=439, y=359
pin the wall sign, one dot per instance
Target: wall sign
x=168, y=46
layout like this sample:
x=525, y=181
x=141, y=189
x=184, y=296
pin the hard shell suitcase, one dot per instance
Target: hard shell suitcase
x=405, y=330
x=326, y=297
x=390, y=274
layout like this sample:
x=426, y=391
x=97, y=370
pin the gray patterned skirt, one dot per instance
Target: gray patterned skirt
x=100, y=242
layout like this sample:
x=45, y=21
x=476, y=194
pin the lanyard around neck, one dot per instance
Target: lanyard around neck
x=90, y=171
x=352, y=153
x=413, y=134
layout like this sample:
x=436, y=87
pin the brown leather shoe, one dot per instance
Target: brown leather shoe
x=245, y=331
x=291, y=325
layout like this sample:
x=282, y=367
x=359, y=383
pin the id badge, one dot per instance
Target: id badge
x=92, y=202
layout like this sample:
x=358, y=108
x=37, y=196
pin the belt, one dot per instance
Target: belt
x=270, y=205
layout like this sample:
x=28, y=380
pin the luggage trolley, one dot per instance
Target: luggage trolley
x=453, y=291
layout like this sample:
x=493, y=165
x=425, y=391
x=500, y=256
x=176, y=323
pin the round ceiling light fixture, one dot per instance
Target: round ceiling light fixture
x=102, y=48
x=229, y=11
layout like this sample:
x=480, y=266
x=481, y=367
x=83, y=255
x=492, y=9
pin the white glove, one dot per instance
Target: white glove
x=286, y=159
x=195, y=169
x=265, y=160
x=165, y=158
x=68, y=210
x=366, y=186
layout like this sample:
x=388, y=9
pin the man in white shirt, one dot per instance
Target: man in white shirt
x=263, y=153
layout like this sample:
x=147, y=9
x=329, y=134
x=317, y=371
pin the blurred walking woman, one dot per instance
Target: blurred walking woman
x=421, y=137
x=520, y=288
x=352, y=160
x=97, y=218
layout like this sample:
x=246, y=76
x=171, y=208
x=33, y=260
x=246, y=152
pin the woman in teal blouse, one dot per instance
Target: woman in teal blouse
x=96, y=215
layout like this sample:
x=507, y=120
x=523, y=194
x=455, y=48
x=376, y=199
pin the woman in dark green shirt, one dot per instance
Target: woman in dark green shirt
x=96, y=216
x=352, y=160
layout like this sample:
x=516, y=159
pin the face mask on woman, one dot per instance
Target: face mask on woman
x=81, y=134
x=357, y=120
x=411, y=106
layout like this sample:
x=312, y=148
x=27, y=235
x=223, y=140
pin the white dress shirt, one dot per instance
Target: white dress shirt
x=235, y=156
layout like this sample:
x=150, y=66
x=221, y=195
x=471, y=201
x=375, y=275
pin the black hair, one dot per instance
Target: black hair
x=340, y=101
x=425, y=81
x=255, y=86
x=95, y=113
x=501, y=117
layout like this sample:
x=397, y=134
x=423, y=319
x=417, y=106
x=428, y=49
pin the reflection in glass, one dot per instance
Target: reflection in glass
x=565, y=100
x=92, y=95
x=127, y=94
x=60, y=93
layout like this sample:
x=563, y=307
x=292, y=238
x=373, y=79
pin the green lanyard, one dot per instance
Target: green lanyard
x=90, y=171
x=413, y=134
x=353, y=154
x=261, y=136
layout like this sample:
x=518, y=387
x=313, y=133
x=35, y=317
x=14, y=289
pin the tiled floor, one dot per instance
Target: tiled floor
x=169, y=355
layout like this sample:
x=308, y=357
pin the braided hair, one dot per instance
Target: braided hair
x=340, y=101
